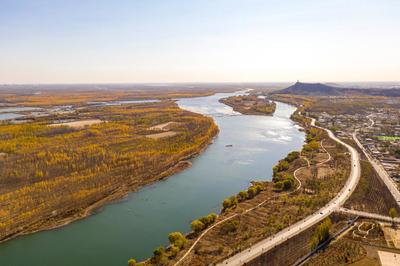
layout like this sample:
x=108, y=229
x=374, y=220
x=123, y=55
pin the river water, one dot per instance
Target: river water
x=134, y=227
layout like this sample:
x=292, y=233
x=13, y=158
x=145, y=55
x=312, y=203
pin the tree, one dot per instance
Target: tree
x=177, y=239
x=393, y=213
x=197, y=226
x=229, y=202
x=292, y=156
x=226, y=203
x=131, y=262
x=253, y=191
x=242, y=195
x=321, y=233
x=174, y=251
x=313, y=184
x=159, y=251
x=283, y=165
x=159, y=256
x=208, y=219
x=278, y=185
x=287, y=184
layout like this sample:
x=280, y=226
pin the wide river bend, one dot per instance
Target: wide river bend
x=134, y=227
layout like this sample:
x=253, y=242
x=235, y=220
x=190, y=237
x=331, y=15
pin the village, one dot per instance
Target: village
x=378, y=130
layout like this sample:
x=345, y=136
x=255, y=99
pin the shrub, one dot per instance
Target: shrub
x=177, y=239
x=278, y=185
x=197, y=226
x=242, y=195
x=285, y=182
x=208, y=219
x=174, y=250
x=226, y=203
x=131, y=262
x=160, y=256
x=159, y=251
x=292, y=156
x=229, y=227
x=312, y=146
x=283, y=165
x=229, y=202
x=253, y=191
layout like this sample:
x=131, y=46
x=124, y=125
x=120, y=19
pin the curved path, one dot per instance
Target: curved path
x=269, y=243
x=257, y=206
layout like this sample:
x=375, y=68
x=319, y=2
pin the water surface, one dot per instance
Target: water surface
x=134, y=227
x=19, y=109
x=9, y=116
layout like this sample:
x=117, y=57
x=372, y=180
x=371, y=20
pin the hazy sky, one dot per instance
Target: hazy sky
x=206, y=40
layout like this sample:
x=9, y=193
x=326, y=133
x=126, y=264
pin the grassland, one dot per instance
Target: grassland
x=51, y=175
x=388, y=138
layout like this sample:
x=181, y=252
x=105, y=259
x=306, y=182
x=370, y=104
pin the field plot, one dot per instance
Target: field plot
x=78, y=124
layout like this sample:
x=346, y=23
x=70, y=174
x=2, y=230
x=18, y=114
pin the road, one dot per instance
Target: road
x=287, y=233
x=390, y=184
x=369, y=215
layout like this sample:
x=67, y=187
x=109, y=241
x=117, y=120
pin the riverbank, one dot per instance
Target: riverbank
x=252, y=220
x=114, y=196
x=43, y=205
x=142, y=221
x=250, y=105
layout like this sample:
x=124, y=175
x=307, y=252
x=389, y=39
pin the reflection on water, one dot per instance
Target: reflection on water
x=246, y=149
x=8, y=116
x=18, y=109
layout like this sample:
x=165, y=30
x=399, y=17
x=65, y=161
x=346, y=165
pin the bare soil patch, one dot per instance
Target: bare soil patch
x=78, y=124
x=165, y=126
x=161, y=135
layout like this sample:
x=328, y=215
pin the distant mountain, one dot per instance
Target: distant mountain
x=311, y=89
x=319, y=89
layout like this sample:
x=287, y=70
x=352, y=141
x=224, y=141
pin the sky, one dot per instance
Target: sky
x=101, y=41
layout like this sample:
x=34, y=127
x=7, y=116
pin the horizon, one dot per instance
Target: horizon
x=161, y=83
x=226, y=41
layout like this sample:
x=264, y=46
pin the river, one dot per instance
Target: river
x=134, y=227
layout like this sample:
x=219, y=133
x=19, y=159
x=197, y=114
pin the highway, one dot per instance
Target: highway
x=287, y=233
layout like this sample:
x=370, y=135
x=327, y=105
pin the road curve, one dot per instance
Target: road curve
x=261, y=247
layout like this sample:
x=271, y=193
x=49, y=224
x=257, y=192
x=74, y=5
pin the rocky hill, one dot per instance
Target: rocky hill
x=319, y=89
x=312, y=89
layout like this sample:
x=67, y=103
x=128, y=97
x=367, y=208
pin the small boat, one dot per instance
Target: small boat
x=229, y=145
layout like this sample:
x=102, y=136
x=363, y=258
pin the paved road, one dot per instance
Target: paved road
x=391, y=185
x=287, y=233
x=369, y=215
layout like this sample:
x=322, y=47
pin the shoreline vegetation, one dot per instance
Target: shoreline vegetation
x=302, y=183
x=54, y=175
x=250, y=105
x=80, y=97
